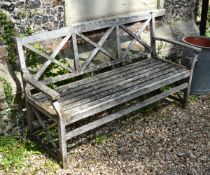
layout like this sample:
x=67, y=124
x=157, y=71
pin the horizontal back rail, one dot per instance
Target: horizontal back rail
x=91, y=25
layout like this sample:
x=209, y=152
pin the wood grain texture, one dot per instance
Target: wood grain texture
x=88, y=90
x=90, y=26
x=43, y=88
x=53, y=60
x=123, y=112
x=52, y=56
x=138, y=34
x=178, y=43
x=123, y=96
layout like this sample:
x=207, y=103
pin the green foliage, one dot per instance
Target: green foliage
x=161, y=46
x=32, y=57
x=208, y=24
x=208, y=33
x=54, y=70
x=166, y=88
x=193, y=98
x=8, y=91
x=101, y=139
x=7, y=36
x=14, y=151
x=29, y=31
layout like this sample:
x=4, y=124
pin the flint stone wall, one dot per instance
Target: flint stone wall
x=40, y=14
x=50, y=14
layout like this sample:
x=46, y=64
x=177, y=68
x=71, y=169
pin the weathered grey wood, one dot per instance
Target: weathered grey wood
x=76, y=53
x=108, y=89
x=45, y=108
x=84, y=98
x=90, y=69
x=98, y=79
x=21, y=55
x=46, y=147
x=43, y=88
x=43, y=125
x=187, y=91
x=52, y=56
x=152, y=35
x=119, y=89
x=97, y=46
x=115, y=83
x=62, y=135
x=123, y=112
x=91, y=26
x=48, y=57
x=137, y=38
x=78, y=115
x=95, y=51
x=107, y=77
x=196, y=49
x=118, y=42
x=30, y=118
x=138, y=34
x=170, y=62
x=114, y=80
x=50, y=126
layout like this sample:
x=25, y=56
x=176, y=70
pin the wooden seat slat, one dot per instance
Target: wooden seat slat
x=107, y=85
x=125, y=95
x=90, y=95
x=82, y=86
x=97, y=78
x=123, y=112
x=112, y=87
x=100, y=77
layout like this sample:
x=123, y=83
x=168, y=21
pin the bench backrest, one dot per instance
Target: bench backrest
x=75, y=32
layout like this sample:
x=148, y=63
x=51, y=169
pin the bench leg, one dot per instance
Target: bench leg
x=30, y=118
x=186, y=98
x=187, y=91
x=62, y=144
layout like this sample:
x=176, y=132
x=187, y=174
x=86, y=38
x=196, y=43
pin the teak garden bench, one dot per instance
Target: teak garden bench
x=90, y=87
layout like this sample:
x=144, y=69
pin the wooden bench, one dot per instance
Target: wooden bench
x=124, y=83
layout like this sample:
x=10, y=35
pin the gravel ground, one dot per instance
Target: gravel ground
x=167, y=140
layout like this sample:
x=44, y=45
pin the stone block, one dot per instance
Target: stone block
x=3, y=102
x=3, y=55
x=7, y=73
x=33, y=3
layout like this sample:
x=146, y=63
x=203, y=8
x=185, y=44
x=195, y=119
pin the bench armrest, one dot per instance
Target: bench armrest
x=40, y=86
x=179, y=43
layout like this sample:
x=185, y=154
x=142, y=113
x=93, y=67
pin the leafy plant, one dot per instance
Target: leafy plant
x=208, y=24
x=12, y=153
x=193, y=98
x=7, y=35
x=8, y=91
x=161, y=46
x=14, y=150
x=101, y=139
